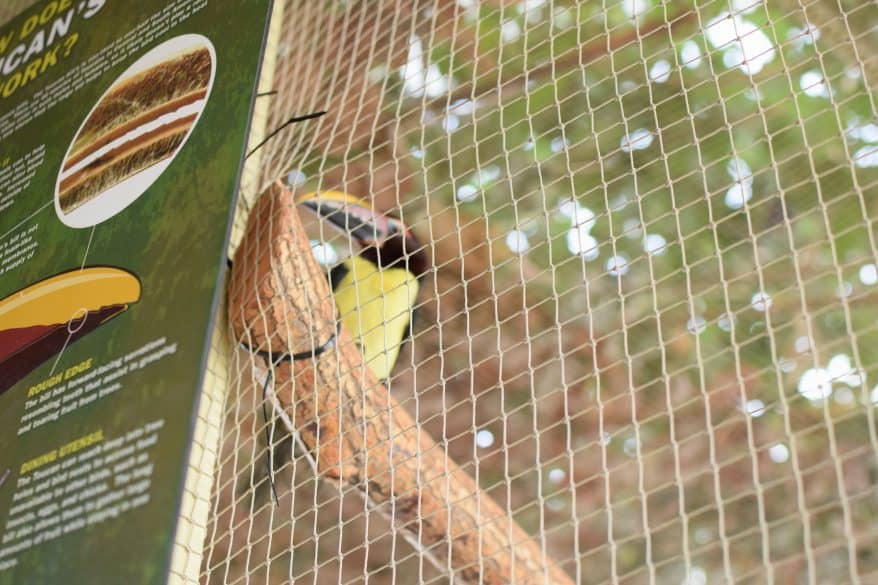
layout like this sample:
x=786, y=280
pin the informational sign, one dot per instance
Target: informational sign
x=122, y=134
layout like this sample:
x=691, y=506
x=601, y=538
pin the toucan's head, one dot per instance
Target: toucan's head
x=385, y=241
x=398, y=248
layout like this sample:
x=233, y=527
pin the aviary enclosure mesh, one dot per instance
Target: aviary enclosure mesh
x=649, y=330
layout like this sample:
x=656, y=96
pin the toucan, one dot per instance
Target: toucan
x=376, y=288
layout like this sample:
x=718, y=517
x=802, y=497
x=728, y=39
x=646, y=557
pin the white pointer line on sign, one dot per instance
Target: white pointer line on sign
x=25, y=220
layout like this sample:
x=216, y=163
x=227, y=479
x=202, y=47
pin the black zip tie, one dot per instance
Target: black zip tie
x=265, y=93
x=293, y=120
x=271, y=362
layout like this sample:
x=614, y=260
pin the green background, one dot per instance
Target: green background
x=173, y=238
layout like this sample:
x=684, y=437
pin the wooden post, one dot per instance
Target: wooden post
x=280, y=302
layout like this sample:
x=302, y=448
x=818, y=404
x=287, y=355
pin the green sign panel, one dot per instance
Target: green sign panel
x=122, y=131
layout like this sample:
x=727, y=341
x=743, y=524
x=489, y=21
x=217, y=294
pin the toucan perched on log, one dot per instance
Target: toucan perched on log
x=375, y=289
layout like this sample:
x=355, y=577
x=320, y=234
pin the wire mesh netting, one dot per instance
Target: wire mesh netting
x=647, y=330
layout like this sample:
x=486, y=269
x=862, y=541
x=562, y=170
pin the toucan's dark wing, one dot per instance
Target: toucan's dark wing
x=337, y=274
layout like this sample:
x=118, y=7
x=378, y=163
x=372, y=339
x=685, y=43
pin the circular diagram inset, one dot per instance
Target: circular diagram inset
x=135, y=130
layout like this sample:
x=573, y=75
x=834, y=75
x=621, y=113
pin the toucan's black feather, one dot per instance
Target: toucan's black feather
x=336, y=274
x=398, y=251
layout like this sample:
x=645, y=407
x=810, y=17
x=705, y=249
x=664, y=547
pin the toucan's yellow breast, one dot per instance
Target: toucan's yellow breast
x=376, y=307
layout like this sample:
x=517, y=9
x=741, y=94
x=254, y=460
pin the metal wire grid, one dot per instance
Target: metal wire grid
x=651, y=419
x=673, y=411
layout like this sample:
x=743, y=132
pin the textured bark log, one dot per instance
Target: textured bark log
x=356, y=433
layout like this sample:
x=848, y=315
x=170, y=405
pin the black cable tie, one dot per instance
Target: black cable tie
x=293, y=357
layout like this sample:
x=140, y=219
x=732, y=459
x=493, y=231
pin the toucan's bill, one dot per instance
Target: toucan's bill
x=376, y=307
x=38, y=321
x=352, y=215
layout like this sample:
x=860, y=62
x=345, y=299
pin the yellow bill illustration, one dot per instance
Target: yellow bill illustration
x=39, y=320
